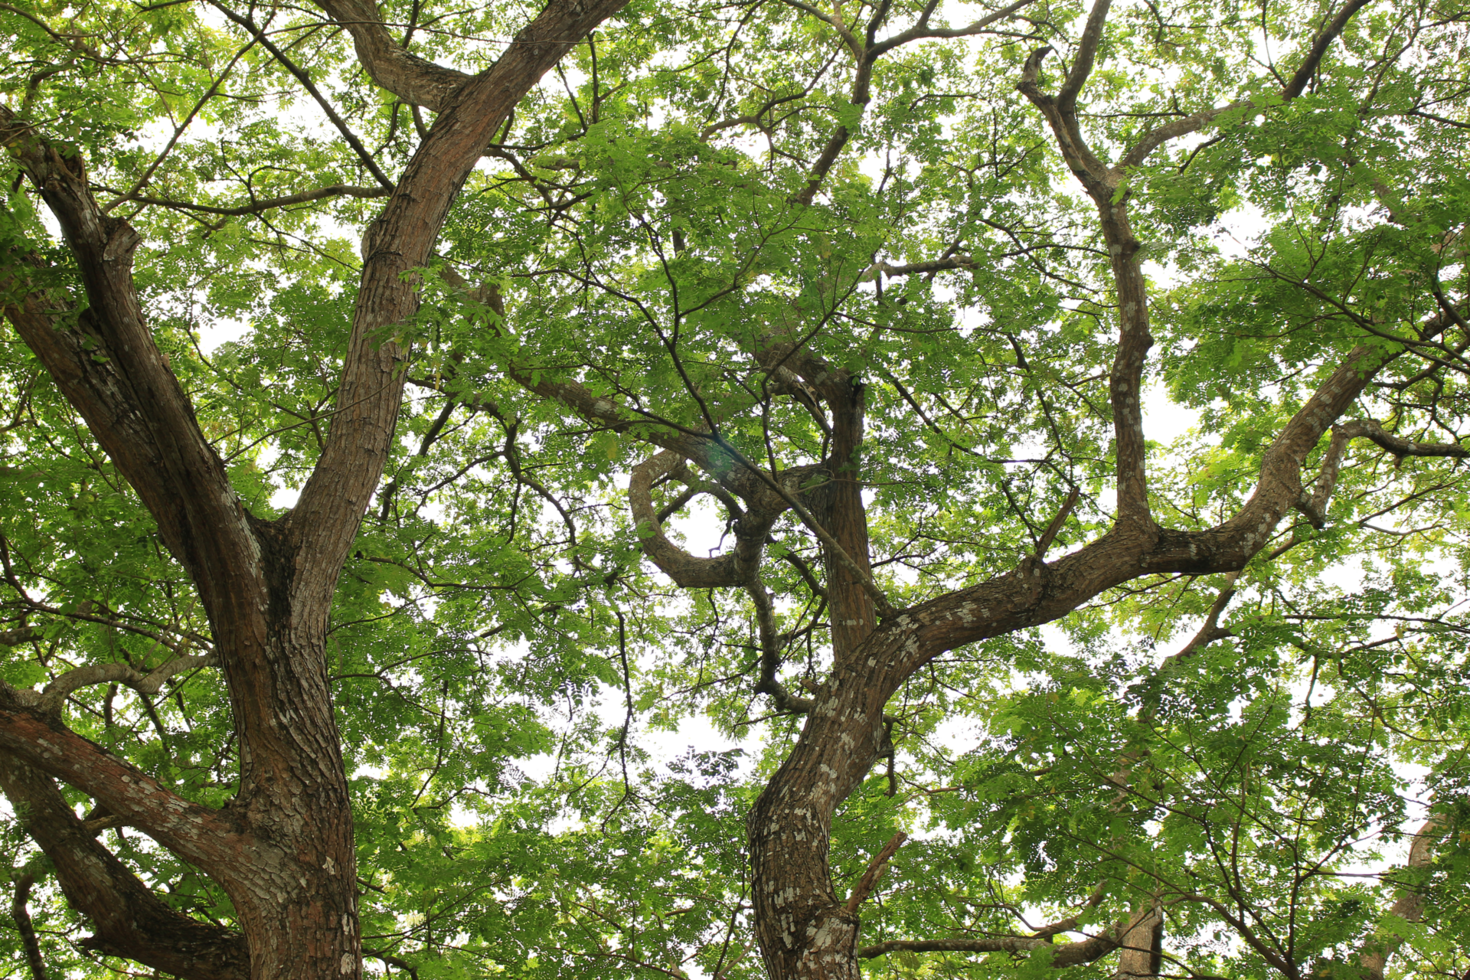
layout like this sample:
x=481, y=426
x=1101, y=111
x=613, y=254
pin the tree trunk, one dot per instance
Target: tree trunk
x=803, y=926
x=283, y=849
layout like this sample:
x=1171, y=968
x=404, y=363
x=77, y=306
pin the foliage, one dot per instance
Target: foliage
x=509, y=672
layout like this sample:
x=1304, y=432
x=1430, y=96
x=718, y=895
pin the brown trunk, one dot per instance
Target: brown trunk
x=803, y=927
x=283, y=849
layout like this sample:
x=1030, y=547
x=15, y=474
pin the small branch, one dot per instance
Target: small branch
x=1055, y=527
x=266, y=204
x=875, y=870
x=392, y=960
x=922, y=30
x=23, y=925
x=1313, y=505
x=1209, y=630
x=1308, y=67
x=301, y=76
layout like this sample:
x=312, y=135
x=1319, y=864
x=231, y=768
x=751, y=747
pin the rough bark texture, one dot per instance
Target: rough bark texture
x=283, y=850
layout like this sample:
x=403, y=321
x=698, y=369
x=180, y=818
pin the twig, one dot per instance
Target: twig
x=23, y=925
x=870, y=877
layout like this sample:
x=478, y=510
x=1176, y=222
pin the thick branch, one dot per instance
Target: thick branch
x=74, y=680
x=110, y=369
x=688, y=571
x=1320, y=43
x=326, y=516
x=1409, y=906
x=411, y=78
x=1036, y=593
x=1063, y=954
x=194, y=832
x=128, y=919
x=1086, y=57
x=1314, y=505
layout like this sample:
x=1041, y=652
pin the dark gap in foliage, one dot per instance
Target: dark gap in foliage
x=1164, y=422
x=225, y=331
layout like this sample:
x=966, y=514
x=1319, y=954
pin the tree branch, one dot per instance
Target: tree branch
x=196, y=833
x=1066, y=98
x=922, y=30
x=299, y=73
x=128, y=918
x=74, y=680
x=23, y=925
x=324, y=521
x=1308, y=67
x=870, y=877
x=267, y=203
x=1063, y=954
x=688, y=571
x=411, y=78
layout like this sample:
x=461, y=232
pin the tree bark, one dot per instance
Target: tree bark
x=283, y=849
x=803, y=930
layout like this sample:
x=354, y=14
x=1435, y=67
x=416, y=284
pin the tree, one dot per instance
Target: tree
x=880, y=287
x=281, y=847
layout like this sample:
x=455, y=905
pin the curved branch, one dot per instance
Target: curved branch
x=687, y=571
x=411, y=78
x=325, y=519
x=1313, y=506
x=73, y=680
